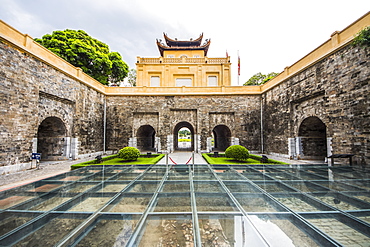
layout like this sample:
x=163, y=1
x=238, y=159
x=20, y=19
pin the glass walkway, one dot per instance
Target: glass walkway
x=201, y=205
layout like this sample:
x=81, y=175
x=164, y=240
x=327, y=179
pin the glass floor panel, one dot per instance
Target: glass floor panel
x=112, y=187
x=336, y=202
x=256, y=176
x=176, y=187
x=220, y=205
x=143, y=187
x=340, y=230
x=241, y=187
x=131, y=203
x=173, y=203
x=80, y=187
x=167, y=231
x=220, y=230
x=10, y=221
x=50, y=203
x=90, y=204
x=110, y=231
x=258, y=203
x=50, y=232
x=13, y=200
x=282, y=231
x=214, y=202
x=300, y=203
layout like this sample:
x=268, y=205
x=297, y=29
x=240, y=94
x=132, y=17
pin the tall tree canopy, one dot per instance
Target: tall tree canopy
x=259, y=79
x=91, y=55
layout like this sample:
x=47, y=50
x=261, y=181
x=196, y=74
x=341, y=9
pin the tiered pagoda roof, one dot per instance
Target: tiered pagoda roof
x=174, y=44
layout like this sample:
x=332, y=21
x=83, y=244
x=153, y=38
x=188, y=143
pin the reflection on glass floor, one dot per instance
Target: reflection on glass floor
x=221, y=205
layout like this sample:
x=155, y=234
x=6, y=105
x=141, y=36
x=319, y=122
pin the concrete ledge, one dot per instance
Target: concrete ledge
x=15, y=168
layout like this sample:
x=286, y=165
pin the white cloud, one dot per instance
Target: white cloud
x=269, y=34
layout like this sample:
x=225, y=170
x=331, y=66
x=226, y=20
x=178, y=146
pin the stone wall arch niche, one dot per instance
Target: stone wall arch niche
x=145, y=138
x=53, y=141
x=221, y=138
x=311, y=142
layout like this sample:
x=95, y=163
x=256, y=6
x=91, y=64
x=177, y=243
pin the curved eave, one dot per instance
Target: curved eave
x=163, y=48
x=177, y=43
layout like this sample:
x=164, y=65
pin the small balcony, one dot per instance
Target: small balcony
x=183, y=60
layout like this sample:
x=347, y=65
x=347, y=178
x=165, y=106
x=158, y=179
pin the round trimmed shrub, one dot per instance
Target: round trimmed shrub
x=129, y=153
x=237, y=152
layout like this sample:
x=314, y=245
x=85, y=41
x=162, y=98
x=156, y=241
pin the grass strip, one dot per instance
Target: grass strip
x=253, y=159
x=114, y=160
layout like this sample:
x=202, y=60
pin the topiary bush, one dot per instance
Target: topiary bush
x=237, y=152
x=129, y=153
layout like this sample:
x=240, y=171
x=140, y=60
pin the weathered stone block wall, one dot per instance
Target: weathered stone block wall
x=125, y=115
x=336, y=90
x=18, y=111
x=31, y=91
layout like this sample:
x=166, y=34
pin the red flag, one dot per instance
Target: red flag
x=227, y=54
x=238, y=64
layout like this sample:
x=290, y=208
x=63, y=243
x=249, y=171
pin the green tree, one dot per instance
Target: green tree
x=184, y=132
x=87, y=53
x=131, y=78
x=259, y=78
x=363, y=38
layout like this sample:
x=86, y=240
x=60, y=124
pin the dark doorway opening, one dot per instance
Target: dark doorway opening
x=222, y=137
x=52, y=139
x=312, y=132
x=146, y=138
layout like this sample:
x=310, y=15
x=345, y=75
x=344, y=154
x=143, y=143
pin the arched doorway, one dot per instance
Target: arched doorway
x=312, y=133
x=145, y=137
x=184, y=126
x=222, y=137
x=52, y=139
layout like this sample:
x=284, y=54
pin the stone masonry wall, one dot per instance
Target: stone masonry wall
x=240, y=114
x=336, y=90
x=31, y=91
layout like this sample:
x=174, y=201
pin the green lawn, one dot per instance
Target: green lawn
x=253, y=159
x=114, y=160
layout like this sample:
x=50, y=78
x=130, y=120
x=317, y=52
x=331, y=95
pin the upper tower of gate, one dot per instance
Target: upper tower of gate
x=183, y=63
x=178, y=48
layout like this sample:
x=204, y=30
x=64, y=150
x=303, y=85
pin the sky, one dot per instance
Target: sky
x=267, y=35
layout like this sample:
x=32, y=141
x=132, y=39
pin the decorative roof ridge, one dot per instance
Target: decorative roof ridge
x=204, y=47
x=169, y=40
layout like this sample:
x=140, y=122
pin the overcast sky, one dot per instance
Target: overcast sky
x=269, y=34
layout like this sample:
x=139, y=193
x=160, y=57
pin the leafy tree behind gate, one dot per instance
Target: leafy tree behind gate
x=87, y=53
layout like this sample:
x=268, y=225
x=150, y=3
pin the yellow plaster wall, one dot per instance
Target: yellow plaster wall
x=180, y=68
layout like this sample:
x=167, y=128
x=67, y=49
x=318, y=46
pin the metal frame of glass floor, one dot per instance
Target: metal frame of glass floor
x=200, y=205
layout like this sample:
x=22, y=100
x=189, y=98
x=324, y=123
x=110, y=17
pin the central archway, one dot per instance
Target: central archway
x=222, y=137
x=312, y=132
x=177, y=128
x=51, y=139
x=146, y=138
